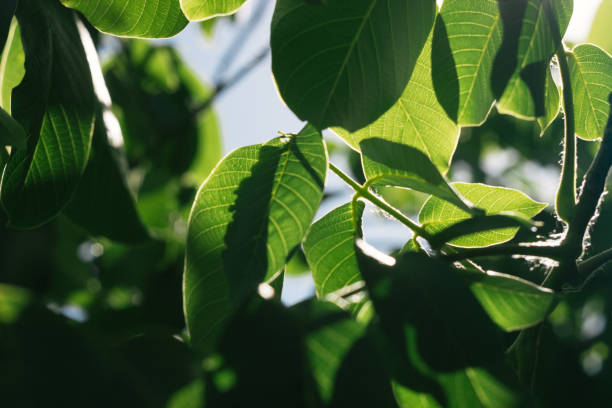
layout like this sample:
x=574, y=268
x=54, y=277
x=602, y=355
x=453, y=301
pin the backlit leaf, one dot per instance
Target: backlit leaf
x=437, y=214
x=204, y=9
x=345, y=63
x=417, y=119
x=591, y=76
x=524, y=95
x=133, y=18
x=248, y=217
x=55, y=103
x=11, y=66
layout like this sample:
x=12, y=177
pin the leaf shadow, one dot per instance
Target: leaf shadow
x=444, y=72
x=245, y=259
x=505, y=63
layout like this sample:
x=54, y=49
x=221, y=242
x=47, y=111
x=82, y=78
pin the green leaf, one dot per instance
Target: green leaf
x=591, y=76
x=133, y=18
x=103, y=191
x=436, y=215
x=345, y=363
x=435, y=330
x=11, y=132
x=467, y=37
x=11, y=66
x=330, y=250
x=395, y=164
x=158, y=100
x=55, y=104
x=512, y=303
x=600, y=30
x=196, y=10
x=417, y=119
x=552, y=103
x=524, y=95
x=344, y=64
x=248, y=216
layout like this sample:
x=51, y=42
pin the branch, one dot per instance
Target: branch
x=591, y=264
x=362, y=191
x=227, y=84
x=593, y=186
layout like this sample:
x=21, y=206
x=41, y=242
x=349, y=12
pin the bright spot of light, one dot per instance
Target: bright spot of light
x=372, y=252
x=580, y=24
x=113, y=129
x=265, y=291
x=88, y=251
x=592, y=360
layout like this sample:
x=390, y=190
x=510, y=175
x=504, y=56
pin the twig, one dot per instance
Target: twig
x=551, y=252
x=235, y=79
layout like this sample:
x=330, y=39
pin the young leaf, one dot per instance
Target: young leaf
x=248, y=216
x=467, y=37
x=435, y=329
x=55, y=104
x=591, y=76
x=133, y=18
x=395, y=164
x=511, y=302
x=600, y=29
x=196, y=10
x=11, y=132
x=417, y=119
x=345, y=63
x=11, y=66
x=330, y=250
x=524, y=94
x=436, y=215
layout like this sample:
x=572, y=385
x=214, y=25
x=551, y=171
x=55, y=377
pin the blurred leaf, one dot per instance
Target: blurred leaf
x=389, y=163
x=600, y=31
x=11, y=132
x=102, y=204
x=133, y=18
x=467, y=37
x=206, y=9
x=511, y=302
x=435, y=329
x=11, y=66
x=591, y=76
x=248, y=216
x=157, y=98
x=323, y=53
x=345, y=363
x=55, y=104
x=437, y=215
x=417, y=119
x=330, y=250
x=524, y=95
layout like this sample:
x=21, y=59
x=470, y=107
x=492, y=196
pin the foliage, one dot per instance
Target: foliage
x=124, y=284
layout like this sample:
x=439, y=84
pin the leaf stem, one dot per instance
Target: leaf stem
x=363, y=192
x=566, y=195
x=591, y=264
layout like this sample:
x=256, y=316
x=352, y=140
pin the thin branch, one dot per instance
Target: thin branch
x=591, y=264
x=235, y=79
x=593, y=187
x=362, y=191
